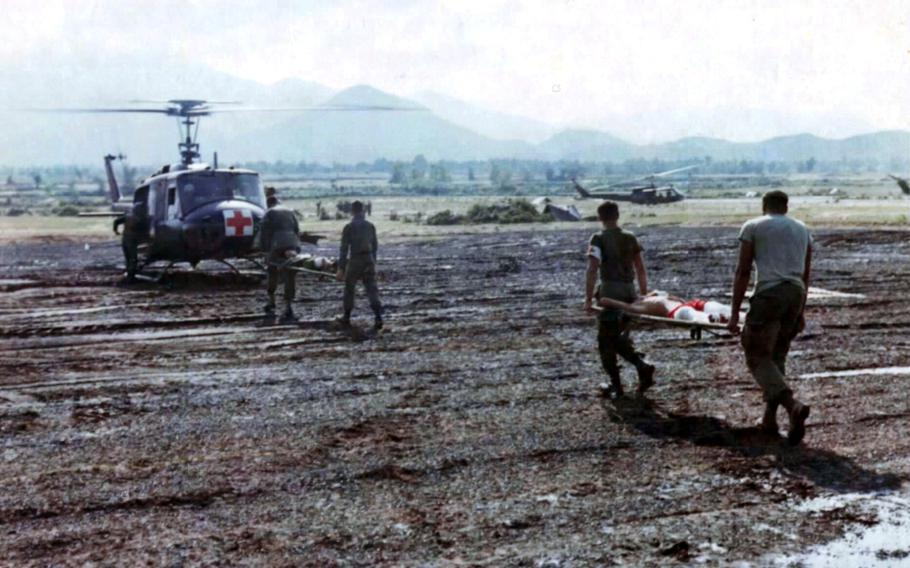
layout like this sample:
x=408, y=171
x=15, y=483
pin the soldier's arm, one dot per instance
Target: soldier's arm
x=807, y=273
x=345, y=247
x=741, y=280
x=641, y=274
x=591, y=281
x=265, y=233
x=375, y=243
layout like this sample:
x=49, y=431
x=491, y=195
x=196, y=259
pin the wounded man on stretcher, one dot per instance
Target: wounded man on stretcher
x=308, y=262
x=663, y=305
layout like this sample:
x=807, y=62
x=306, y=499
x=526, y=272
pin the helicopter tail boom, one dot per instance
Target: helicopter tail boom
x=112, y=187
x=581, y=191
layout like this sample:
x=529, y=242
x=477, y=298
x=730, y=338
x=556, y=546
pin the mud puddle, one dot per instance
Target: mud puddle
x=878, y=536
x=857, y=373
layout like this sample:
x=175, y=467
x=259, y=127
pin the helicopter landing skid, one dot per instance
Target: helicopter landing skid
x=258, y=264
x=233, y=268
x=160, y=277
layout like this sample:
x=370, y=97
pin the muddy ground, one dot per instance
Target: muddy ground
x=166, y=426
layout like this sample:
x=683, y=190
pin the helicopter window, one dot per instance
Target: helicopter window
x=171, y=195
x=247, y=188
x=196, y=190
x=205, y=187
x=141, y=194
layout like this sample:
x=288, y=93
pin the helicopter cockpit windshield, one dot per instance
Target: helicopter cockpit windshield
x=199, y=188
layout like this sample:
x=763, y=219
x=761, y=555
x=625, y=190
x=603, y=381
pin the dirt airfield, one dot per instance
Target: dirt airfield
x=166, y=426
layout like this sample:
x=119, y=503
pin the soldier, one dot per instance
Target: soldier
x=135, y=229
x=616, y=255
x=279, y=239
x=358, y=241
x=781, y=248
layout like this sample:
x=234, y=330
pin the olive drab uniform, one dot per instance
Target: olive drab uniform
x=773, y=321
x=278, y=234
x=358, y=261
x=135, y=230
x=616, y=250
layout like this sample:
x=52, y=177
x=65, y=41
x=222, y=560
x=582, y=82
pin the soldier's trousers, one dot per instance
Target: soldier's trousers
x=130, y=246
x=771, y=324
x=275, y=274
x=613, y=340
x=361, y=268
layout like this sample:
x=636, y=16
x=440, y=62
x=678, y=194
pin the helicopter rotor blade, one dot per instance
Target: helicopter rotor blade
x=326, y=108
x=101, y=110
x=651, y=177
x=676, y=171
x=183, y=101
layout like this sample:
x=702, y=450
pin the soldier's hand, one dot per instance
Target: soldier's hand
x=589, y=308
x=733, y=324
x=339, y=276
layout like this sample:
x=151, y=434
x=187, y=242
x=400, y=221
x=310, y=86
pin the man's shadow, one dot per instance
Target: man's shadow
x=823, y=467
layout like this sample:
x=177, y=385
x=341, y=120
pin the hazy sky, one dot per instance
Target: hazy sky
x=576, y=63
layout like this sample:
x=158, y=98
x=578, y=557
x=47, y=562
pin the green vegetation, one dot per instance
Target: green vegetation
x=507, y=212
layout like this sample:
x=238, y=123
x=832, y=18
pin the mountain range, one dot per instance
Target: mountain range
x=434, y=124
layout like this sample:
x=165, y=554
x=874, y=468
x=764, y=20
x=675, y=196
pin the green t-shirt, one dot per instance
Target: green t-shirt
x=616, y=250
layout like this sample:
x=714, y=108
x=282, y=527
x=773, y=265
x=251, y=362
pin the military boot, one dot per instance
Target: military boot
x=613, y=389
x=769, y=420
x=645, y=377
x=798, y=415
x=269, y=308
x=288, y=316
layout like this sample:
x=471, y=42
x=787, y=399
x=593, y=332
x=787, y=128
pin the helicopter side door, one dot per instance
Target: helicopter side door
x=173, y=204
x=168, y=229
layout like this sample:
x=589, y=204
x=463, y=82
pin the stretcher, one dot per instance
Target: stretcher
x=695, y=328
x=292, y=263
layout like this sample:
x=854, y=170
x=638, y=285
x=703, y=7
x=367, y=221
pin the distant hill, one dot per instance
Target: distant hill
x=365, y=136
x=599, y=146
x=585, y=145
x=445, y=128
x=496, y=125
x=35, y=138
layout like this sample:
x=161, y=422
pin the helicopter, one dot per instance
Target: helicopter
x=193, y=211
x=902, y=183
x=648, y=194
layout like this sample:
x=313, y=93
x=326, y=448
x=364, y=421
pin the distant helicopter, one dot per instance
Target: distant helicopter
x=649, y=194
x=901, y=183
x=195, y=211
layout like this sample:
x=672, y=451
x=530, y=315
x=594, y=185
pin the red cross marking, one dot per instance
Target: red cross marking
x=238, y=222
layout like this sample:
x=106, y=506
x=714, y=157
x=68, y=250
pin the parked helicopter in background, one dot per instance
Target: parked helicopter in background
x=192, y=211
x=901, y=183
x=633, y=191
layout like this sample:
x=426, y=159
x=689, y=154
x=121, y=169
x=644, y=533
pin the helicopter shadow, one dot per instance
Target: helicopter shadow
x=822, y=467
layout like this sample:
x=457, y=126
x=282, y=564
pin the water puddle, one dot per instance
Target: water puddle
x=858, y=372
x=13, y=284
x=823, y=293
x=883, y=544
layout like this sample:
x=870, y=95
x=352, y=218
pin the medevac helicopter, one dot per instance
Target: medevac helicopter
x=196, y=211
x=650, y=194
